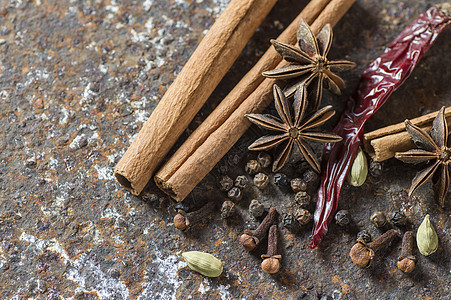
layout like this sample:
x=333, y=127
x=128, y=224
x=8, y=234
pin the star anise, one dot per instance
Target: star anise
x=310, y=65
x=434, y=149
x=292, y=129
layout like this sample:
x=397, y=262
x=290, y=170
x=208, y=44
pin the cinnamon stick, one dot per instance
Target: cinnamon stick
x=383, y=143
x=204, y=70
x=219, y=142
x=241, y=91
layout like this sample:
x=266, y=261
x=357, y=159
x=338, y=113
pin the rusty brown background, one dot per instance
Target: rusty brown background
x=77, y=81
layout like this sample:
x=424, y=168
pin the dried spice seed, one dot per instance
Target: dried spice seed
x=256, y=208
x=406, y=261
x=292, y=130
x=427, y=239
x=359, y=170
x=251, y=239
x=290, y=222
x=365, y=236
x=253, y=167
x=298, y=185
x=271, y=260
x=228, y=209
x=362, y=254
x=241, y=181
x=204, y=263
x=398, y=218
x=264, y=159
x=235, y=194
x=433, y=149
x=310, y=177
x=310, y=64
x=303, y=216
x=261, y=180
x=280, y=179
x=378, y=219
x=183, y=220
x=384, y=76
x=302, y=199
x=375, y=168
x=342, y=218
x=226, y=183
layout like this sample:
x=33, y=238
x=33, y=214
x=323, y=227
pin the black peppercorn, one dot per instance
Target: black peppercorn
x=252, y=167
x=235, y=194
x=290, y=222
x=228, y=209
x=310, y=176
x=302, y=198
x=261, y=180
x=342, y=218
x=303, y=216
x=375, y=168
x=264, y=159
x=241, y=181
x=298, y=185
x=398, y=218
x=365, y=236
x=225, y=183
x=280, y=179
x=378, y=219
x=256, y=208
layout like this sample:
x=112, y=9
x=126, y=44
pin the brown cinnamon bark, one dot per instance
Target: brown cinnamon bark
x=383, y=143
x=240, y=92
x=219, y=142
x=204, y=70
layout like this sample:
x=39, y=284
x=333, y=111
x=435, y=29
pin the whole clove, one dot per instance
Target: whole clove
x=183, y=220
x=251, y=239
x=362, y=253
x=406, y=262
x=271, y=260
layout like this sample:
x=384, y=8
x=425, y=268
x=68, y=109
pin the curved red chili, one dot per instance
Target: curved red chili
x=377, y=83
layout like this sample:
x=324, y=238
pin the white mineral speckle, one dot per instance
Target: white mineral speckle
x=105, y=172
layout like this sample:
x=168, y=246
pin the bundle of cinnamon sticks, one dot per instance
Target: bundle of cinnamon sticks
x=227, y=123
x=383, y=143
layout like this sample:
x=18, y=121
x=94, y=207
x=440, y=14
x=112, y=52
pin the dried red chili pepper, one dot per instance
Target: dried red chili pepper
x=377, y=83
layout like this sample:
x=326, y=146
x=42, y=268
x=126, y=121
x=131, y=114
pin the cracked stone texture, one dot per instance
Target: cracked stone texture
x=77, y=81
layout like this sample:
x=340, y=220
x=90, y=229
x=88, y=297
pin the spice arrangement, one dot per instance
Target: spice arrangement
x=377, y=83
x=303, y=74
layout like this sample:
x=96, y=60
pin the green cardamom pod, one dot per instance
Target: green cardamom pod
x=359, y=170
x=204, y=263
x=427, y=239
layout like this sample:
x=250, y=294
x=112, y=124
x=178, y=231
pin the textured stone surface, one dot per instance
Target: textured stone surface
x=77, y=81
